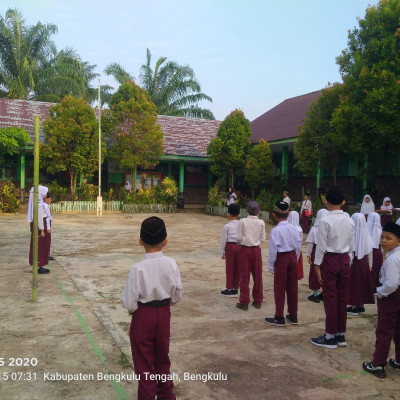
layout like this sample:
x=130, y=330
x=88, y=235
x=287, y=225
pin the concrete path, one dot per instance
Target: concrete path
x=217, y=351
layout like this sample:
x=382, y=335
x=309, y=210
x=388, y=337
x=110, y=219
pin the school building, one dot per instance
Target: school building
x=185, y=159
x=278, y=127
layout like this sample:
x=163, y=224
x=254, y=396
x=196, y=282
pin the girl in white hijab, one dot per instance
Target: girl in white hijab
x=294, y=219
x=43, y=256
x=375, y=230
x=386, y=211
x=361, y=290
x=367, y=205
x=311, y=240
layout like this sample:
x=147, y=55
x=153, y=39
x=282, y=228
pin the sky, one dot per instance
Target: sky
x=246, y=54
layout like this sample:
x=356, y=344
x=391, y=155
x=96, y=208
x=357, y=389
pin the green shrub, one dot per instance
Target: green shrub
x=8, y=202
x=216, y=195
x=87, y=192
x=168, y=191
x=58, y=192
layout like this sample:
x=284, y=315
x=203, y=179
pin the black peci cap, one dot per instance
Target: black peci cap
x=392, y=228
x=153, y=231
x=335, y=195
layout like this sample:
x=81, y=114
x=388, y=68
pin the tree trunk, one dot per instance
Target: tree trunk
x=334, y=174
x=232, y=178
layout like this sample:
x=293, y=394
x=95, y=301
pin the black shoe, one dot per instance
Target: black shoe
x=235, y=292
x=292, y=319
x=340, y=340
x=42, y=270
x=361, y=310
x=256, y=305
x=278, y=321
x=321, y=296
x=322, y=341
x=379, y=372
x=313, y=298
x=51, y=258
x=243, y=307
x=353, y=311
x=393, y=363
x=228, y=293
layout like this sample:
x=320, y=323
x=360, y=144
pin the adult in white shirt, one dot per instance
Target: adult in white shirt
x=286, y=197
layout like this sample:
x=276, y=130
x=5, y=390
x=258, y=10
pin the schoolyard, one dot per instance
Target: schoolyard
x=78, y=332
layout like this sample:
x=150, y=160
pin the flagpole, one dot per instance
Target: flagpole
x=35, y=210
x=99, y=198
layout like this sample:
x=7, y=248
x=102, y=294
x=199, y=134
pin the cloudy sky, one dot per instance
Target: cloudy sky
x=247, y=54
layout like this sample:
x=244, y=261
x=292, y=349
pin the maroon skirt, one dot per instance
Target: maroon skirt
x=377, y=261
x=300, y=271
x=385, y=219
x=43, y=247
x=313, y=282
x=361, y=290
x=305, y=222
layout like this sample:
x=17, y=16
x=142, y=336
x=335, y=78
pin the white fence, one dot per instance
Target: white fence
x=109, y=206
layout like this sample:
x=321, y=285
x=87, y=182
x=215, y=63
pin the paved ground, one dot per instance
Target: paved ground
x=79, y=327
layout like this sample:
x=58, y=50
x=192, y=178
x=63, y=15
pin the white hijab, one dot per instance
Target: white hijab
x=369, y=207
x=294, y=219
x=374, y=228
x=386, y=208
x=312, y=236
x=362, y=239
x=398, y=222
x=42, y=193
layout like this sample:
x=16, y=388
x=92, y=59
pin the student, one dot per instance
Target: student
x=388, y=305
x=43, y=255
x=48, y=218
x=332, y=265
x=361, y=290
x=293, y=219
x=251, y=232
x=313, y=282
x=284, y=251
x=230, y=252
x=305, y=212
x=367, y=206
x=375, y=230
x=152, y=285
x=286, y=197
x=231, y=198
x=386, y=211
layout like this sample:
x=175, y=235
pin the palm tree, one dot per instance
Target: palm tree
x=32, y=68
x=23, y=52
x=172, y=88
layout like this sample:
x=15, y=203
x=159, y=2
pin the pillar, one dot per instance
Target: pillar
x=181, y=175
x=22, y=176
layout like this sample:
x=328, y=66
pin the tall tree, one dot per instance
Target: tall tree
x=368, y=112
x=12, y=140
x=131, y=124
x=32, y=68
x=173, y=88
x=260, y=169
x=23, y=52
x=229, y=149
x=71, y=140
x=319, y=143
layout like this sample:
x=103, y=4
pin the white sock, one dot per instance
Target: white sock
x=340, y=334
x=329, y=336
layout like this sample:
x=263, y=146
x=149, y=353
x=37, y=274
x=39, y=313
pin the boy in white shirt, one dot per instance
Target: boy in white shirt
x=251, y=232
x=230, y=252
x=152, y=285
x=333, y=256
x=284, y=252
x=388, y=304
